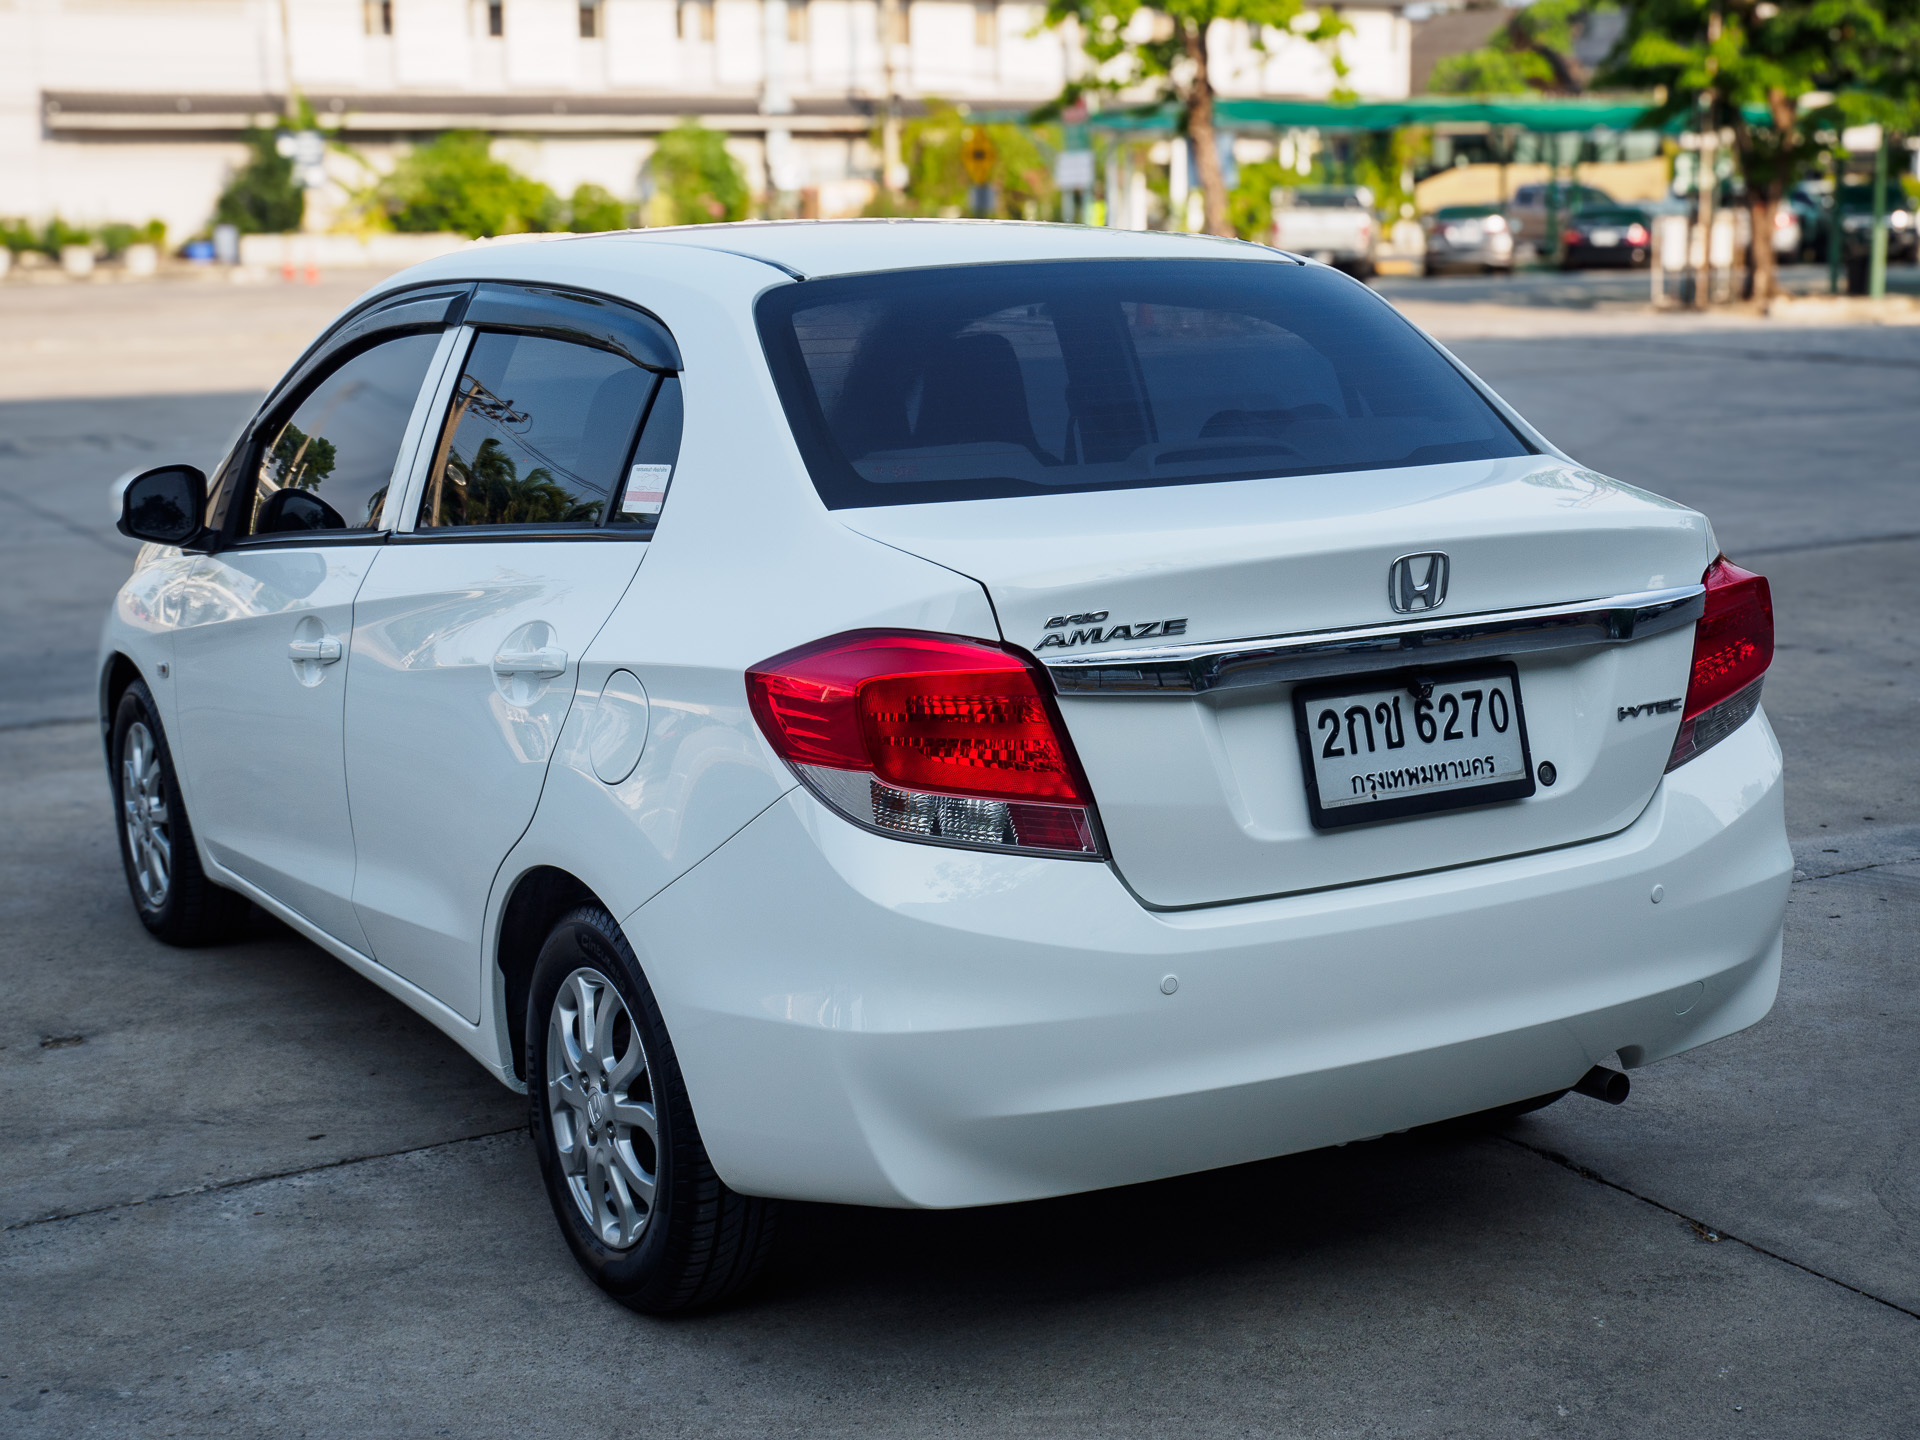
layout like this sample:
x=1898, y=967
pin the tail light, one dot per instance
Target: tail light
x=1637, y=234
x=1732, y=648
x=1572, y=237
x=928, y=737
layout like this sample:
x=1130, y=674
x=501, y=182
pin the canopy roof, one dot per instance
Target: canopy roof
x=1527, y=112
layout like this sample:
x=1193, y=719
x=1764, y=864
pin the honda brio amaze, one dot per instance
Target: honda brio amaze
x=937, y=714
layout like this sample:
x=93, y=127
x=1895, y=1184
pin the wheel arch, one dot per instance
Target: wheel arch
x=116, y=676
x=539, y=898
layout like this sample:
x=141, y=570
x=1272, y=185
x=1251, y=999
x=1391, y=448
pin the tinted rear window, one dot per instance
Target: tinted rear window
x=995, y=380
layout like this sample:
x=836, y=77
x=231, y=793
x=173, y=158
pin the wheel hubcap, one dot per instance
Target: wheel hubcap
x=143, y=802
x=600, y=1106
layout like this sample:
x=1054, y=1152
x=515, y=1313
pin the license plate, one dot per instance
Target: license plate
x=1412, y=744
x=1604, y=237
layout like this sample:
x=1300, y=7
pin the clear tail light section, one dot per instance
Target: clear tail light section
x=928, y=737
x=1732, y=648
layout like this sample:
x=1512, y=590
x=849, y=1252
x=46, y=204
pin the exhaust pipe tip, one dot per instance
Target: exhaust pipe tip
x=1604, y=1084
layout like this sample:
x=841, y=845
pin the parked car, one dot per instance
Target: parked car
x=1468, y=237
x=1331, y=223
x=1605, y=236
x=1535, y=208
x=925, y=714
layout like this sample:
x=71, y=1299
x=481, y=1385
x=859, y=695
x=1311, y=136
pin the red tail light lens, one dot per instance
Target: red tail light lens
x=1636, y=234
x=932, y=736
x=1732, y=648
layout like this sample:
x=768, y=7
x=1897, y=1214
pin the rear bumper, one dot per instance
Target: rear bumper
x=874, y=1022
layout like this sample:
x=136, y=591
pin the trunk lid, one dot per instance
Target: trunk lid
x=1204, y=795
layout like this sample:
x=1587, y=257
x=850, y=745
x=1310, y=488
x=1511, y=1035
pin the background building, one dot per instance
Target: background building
x=130, y=109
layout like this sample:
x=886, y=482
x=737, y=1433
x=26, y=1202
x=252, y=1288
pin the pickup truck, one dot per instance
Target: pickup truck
x=1332, y=223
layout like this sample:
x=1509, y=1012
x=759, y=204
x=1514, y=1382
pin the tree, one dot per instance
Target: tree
x=593, y=207
x=1533, y=50
x=262, y=197
x=695, y=180
x=454, y=183
x=937, y=181
x=1161, y=47
x=1728, y=63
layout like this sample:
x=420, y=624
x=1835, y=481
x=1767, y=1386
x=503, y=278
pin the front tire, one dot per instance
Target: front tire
x=175, y=899
x=628, y=1177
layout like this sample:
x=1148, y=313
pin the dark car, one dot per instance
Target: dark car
x=1856, y=222
x=1605, y=235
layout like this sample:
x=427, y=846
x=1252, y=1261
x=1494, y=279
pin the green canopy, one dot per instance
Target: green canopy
x=1527, y=112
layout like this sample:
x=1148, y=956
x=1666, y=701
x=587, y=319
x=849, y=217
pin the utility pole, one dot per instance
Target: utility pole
x=1877, y=271
x=776, y=104
x=1708, y=177
x=892, y=169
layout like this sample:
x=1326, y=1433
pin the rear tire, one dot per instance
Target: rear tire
x=628, y=1177
x=175, y=899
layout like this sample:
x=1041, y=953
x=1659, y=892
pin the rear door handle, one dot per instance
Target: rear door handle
x=547, y=662
x=324, y=651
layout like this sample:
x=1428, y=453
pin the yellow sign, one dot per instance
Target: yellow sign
x=978, y=154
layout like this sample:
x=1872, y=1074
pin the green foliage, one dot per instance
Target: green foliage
x=593, y=207
x=1533, y=50
x=695, y=180
x=115, y=237
x=261, y=198
x=453, y=183
x=1384, y=162
x=1250, y=202
x=938, y=183
x=491, y=491
x=301, y=461
x=1162, y=59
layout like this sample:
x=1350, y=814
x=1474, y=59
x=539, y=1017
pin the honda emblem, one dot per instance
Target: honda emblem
x=1417, y=582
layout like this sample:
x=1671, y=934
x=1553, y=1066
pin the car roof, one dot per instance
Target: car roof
x=811, y=248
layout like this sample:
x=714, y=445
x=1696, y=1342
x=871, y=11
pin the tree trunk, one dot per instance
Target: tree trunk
x=1760, y=207
x=1206, y=148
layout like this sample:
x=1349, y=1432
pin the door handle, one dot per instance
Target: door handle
x=547, y=662
x=324, y=651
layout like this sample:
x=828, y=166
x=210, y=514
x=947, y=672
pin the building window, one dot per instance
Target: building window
x=986, y=34
x=377, y=16
x=496, y=18
x=589, y=19
x=696, y=20
x=797, y=21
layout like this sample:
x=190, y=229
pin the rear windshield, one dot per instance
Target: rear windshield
x=982, y=381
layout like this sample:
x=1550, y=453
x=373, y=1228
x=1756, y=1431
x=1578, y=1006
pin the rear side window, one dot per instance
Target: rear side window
x=999, y=380
x=329, y=465
x=538, y=433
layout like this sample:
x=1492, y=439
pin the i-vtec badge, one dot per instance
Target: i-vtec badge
x=1418, y=582
x=1061, y=635
x=1651, y=707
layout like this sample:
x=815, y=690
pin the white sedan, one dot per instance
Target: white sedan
x=936, y=714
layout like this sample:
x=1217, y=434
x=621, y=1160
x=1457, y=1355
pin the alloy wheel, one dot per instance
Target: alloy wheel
x=143, y=801
x=600, y=1105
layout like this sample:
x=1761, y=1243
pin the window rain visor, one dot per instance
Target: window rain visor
x=975, y=382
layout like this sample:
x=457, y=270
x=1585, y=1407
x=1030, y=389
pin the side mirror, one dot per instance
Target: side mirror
x=164, y=506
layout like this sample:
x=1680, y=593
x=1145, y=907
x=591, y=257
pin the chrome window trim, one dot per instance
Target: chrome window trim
x=1322, y=654
x=435, y=396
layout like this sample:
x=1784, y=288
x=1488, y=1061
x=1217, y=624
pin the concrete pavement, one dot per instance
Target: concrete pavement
x=247, y=1193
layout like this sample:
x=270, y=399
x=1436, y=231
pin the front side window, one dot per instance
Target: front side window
x=981, y=381
x=329, y=464
x=538, y=433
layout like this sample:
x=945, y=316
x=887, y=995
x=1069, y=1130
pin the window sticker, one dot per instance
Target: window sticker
x=646, y=489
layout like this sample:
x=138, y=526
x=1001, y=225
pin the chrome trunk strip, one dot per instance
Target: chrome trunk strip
x=1282, y=659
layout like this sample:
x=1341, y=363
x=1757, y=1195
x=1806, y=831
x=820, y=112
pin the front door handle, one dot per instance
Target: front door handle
x=323, y=651
x=547, y=662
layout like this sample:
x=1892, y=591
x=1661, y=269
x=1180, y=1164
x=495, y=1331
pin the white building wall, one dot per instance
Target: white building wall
x=439, y=47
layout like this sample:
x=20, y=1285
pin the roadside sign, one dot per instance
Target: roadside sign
x=977, y=155
x=1073, y=170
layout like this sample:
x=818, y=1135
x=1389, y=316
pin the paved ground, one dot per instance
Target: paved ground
x=246, y=1193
